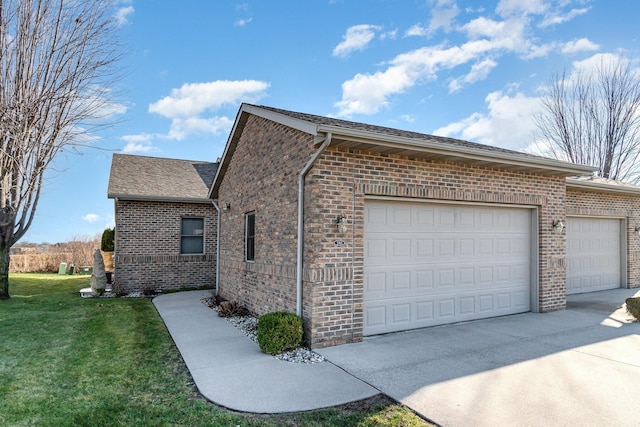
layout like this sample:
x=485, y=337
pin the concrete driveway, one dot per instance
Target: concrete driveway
x=579, y=366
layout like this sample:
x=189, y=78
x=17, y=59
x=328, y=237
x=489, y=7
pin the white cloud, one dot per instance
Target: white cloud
x=485, y=41
x=182, y=127
x=508, y=123
x=242, y=22
x=417, y=30
x=479, y=71
x=140, y=143
x=580, y=45
x=91, y=218
x=443, y=17
x=594, y=62
x=538, y=51
x=192, y=99
x=368, y=93
x=132, y=148
x=389, y=35
x=520, y=7
x=560, y=18
x=122, y=15
x=357, y=37
x=190, y=107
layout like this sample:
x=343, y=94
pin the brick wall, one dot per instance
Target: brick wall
x=338, y=185
x=602, y=204
x=147, y=247
x=262, y=177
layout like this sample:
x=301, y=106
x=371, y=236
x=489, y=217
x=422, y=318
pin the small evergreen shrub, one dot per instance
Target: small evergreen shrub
x=633, y=307
x=279, y=331
x=108, y=238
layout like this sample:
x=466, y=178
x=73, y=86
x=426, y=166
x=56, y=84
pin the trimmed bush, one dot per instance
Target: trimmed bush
x=633, y=307
x=279, y=331
x=108, y=237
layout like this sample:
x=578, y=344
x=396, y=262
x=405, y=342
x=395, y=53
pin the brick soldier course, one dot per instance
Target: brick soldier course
x=259, y=175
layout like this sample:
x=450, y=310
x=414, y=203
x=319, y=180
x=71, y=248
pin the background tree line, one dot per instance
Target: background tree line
x=44, y=257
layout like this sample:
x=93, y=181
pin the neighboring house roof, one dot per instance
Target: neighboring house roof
x=361, y=136
x=602, y=185
x=160, y=179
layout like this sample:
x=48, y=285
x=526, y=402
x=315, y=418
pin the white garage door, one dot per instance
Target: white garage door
x=428, y=264
x=593, y=254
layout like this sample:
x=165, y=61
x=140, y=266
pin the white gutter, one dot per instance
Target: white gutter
x=215, y=205
x=613, y=187
x=435, y=146
x=299, y=254
x=163, y=199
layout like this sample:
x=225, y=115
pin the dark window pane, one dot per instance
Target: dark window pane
x=192, y=226
x=250, y=233
x=192, y=245
x=192, y=238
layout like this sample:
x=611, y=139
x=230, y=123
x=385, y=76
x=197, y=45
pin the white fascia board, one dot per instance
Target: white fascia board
x=460, y=151
x=129, y=197
x=301, y=125
x=578, y=184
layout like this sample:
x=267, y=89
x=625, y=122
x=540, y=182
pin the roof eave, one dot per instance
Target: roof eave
x=577, y=184
x=509, y=160
x=163, y=199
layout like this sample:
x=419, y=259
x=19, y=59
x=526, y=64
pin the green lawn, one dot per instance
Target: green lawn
x=69, y=361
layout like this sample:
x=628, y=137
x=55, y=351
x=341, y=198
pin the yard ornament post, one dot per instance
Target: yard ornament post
x=99, y=277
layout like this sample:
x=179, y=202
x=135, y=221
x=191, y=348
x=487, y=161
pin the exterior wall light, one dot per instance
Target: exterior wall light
x=558, y=226
x=342, y=224
x=226, y=206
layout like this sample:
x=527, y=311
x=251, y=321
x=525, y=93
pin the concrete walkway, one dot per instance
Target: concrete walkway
x=579, y=366
x=229, y=369
x=576, y=367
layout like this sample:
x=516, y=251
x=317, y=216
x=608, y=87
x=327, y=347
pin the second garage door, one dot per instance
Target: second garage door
x=593, y=254
x=429, y=264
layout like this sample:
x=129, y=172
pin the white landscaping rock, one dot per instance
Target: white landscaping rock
x=248, y=325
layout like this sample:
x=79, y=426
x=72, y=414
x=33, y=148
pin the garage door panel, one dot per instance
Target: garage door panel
x=417, y=248
x=410, y=312
x=381, y=283
x=593, y=254
x=444, y=263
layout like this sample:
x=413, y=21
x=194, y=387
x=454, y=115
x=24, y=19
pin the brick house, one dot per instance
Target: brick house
x=403, y=230
x=165, y=223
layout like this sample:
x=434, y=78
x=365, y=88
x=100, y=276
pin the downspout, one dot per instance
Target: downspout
x=215, y=205
x=299, y=254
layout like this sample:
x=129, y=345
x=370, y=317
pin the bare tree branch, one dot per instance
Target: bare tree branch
x=57, y=67
x=593, y=118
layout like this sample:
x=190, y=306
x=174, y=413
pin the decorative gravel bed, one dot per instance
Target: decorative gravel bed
x=248, y=325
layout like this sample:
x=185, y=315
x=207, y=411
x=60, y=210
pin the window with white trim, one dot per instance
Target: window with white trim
x=192, y=236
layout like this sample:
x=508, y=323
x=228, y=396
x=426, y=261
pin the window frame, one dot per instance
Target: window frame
x=250, y=239
x=191, y=236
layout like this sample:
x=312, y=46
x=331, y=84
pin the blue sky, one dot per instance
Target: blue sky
x=467, y=69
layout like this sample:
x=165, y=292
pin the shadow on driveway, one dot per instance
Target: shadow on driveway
x=579, y=366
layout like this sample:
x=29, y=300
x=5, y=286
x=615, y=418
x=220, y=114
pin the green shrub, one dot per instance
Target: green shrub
x=633, y=307
x=108, y=237
x=279, y=331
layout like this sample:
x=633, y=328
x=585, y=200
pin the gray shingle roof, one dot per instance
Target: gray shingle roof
x=154, y=178
x=382, y=130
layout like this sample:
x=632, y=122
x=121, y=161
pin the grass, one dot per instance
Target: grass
x=69, y=361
